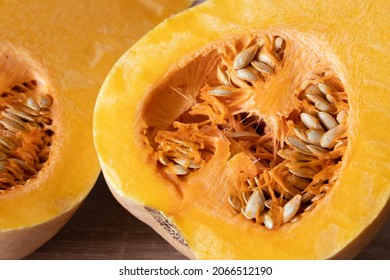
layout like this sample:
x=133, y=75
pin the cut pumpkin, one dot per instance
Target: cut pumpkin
x=259, y=134
x=54, y=56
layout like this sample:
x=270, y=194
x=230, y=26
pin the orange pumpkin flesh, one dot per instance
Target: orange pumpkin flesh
x=67, y=48
x=140, y=95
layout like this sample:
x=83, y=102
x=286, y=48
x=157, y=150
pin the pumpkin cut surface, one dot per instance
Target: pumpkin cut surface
x=246, y=139
x=53, y=58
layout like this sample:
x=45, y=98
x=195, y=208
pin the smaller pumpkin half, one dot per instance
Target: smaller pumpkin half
x=54, y=56
x=248, y=130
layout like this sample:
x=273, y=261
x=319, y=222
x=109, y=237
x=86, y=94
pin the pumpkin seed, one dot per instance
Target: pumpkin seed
x=222, y=91
x=13, y=126
x=291, y=208
x=327, y=120
x=324, y=107
x=262, y=67
x=314, y=136
x=341, y=117
x=179, y=170
x=268, y=221
x=266, y=59
x=188, y=163
x=326, y=89
x=243, y=135
x=235, y=202
x=163, y=160
x=315, y=98
x=278, y=43
x=21, y=114
x=32, y=104
x=248, y=74
x=254, y=205
x=297, y=144
x=222, y=77
x=301, y=134
x=329, y=138
x=309, y=121
x=304, y=172
x=313, y=89
x=244, y=57
x=45, y=101
x=299, y=182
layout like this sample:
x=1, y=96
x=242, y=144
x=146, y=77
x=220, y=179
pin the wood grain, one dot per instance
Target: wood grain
x=102, y=229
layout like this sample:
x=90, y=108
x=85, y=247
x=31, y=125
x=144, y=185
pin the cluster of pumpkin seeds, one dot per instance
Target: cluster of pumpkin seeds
x=297, y=166
x=25, y=132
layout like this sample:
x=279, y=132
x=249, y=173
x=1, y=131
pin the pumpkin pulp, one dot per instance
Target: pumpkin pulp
x=278, y=146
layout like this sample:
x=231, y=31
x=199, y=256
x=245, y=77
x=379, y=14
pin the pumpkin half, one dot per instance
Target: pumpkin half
x=54, y=56
x=254, y=129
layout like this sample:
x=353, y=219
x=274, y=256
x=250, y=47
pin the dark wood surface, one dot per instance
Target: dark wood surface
x=102, y=229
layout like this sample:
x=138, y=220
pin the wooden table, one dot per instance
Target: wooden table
x=102, y=229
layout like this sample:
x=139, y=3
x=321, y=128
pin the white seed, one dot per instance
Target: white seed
x=324, y=107
x=180, y=170
x=32, y=104
x=20, y=114
x=304, y=172
x=235, y=202
x=243, y=135
x=245, y=196
x=310, y=207
x=317, y=150
x=13, y=125
x=310, y=121
x=291, y=208
x=163, y=160
x=341, y=144
x=244, y=57
x=300, y=133
x=318, y=197
x=254, y=205
x=330, y=137
x=306, y=197
x=222, y=91
x=341, y=116
x=314, y=136
x=298, y=145
x=315, y=98
x=327, y=120
x=267, y=59
x=262, y=67
x=278, y=43
x=187, y=162
x=268, y=221
x=326, y=89
x=299, y=182
x=313, y=89
x=222, y=77
x=330, y=98
x=248, y=73
x=45, y=101
x=268, y=203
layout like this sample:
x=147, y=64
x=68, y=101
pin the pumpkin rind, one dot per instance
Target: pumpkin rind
x=358, y=204
x=75, y=43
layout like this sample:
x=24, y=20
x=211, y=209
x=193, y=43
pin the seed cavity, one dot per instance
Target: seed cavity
x=26, y=132
x=297, y=155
